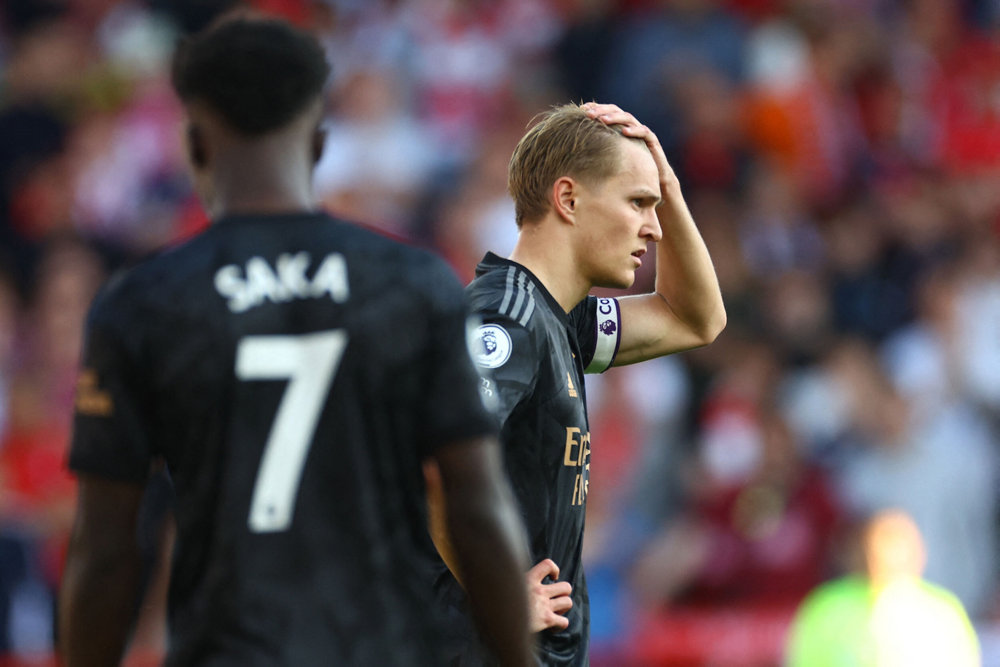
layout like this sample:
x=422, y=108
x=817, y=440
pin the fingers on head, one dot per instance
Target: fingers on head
x=595, y=109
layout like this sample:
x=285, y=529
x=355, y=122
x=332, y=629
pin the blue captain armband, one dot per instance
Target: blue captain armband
x=609, y=327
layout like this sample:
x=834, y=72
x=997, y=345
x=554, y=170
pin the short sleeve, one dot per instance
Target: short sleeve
x=452, y=407
x=507, y=357
x=111, y=436
x=598, y=325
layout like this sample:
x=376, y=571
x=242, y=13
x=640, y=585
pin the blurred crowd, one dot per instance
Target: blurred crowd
x=841, y=158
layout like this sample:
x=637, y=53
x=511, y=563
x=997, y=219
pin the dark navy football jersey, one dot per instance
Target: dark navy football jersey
x=533, y=356
x=292, y=371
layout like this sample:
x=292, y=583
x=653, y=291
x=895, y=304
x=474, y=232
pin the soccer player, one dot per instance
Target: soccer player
x=592, y=188
x=293, y=372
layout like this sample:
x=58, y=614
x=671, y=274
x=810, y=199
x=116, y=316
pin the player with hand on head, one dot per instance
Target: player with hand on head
x=262, y=362
x=592, y=189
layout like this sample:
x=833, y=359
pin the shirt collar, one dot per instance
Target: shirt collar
x=492, y=261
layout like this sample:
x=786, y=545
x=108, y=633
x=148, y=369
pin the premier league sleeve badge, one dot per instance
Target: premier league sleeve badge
x=496, y=346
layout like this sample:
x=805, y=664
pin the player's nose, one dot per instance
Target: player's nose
x=651, y=227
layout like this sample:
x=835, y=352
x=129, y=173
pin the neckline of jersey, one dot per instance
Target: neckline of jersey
x=237, y=218
x=492, y=260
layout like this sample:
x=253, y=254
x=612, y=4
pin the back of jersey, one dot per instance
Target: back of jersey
x=293, y=372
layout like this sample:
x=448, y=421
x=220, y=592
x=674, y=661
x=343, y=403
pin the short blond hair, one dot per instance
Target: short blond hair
x=564, y=141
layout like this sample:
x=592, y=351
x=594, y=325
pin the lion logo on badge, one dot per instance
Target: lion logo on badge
x=496, y=346
x=489, y=342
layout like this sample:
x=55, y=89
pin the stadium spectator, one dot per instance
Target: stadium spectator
x=886, y=614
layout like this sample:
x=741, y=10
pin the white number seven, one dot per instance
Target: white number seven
x=309, y=363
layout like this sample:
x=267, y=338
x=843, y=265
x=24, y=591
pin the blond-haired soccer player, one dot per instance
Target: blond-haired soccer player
x=592, y=190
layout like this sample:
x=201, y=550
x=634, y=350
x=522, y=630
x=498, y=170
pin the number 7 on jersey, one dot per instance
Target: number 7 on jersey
x=309, y=363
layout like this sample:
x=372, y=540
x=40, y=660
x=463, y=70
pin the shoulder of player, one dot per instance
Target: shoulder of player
x=507, y=292
x=528, y=340
x=147, y=280
x=422, y=273
x=420, y=264
x=117, y=305
x=128, y=283
x=411, y=262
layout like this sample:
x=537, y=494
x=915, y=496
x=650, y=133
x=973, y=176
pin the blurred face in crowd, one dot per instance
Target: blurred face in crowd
x=893, y=547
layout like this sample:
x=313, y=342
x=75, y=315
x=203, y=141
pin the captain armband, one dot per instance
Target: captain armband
x=609, y=326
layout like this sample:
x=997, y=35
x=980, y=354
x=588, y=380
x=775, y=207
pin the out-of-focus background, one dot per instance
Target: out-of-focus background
x=841, y=158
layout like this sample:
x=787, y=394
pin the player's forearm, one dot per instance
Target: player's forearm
x=97, y=604
x=685, y=275
x=437, y=519
x=491, y=556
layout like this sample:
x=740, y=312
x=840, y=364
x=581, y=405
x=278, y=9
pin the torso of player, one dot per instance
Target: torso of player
x=304, y=378
x=547, y=444
x=312, y=358
x=566, y=407
x=533, y=364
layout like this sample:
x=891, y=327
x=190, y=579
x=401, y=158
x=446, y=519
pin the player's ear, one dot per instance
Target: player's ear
x=318, y=141
x=196, y=146
x=564, y=195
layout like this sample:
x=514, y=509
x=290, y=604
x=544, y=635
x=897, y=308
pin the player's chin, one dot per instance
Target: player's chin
x=620, y=280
